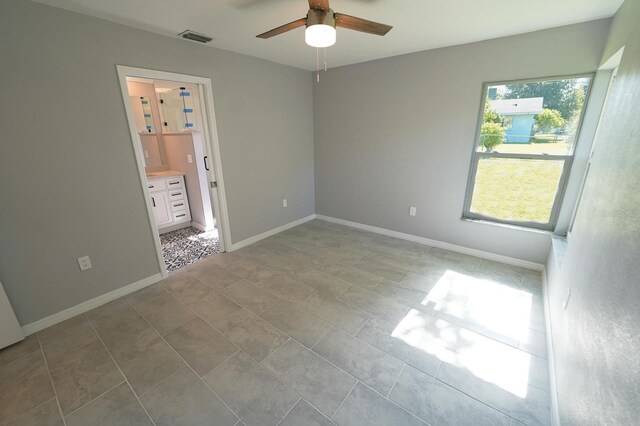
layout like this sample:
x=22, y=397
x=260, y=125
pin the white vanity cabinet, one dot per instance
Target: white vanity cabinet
x=169, y=201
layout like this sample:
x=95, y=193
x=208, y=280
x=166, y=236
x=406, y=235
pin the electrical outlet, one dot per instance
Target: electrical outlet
x=189, y=159
x=284, y=202
x=412, y=211
x=146, y=154
x=84, y=262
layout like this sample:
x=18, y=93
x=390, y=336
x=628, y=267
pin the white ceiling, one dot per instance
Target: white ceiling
x=418, y=24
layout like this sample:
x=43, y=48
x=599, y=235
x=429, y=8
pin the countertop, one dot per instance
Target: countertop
x=164, y=174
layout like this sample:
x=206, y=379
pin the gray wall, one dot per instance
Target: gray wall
x=399, y=132
x=68, y=180
x=597, y=338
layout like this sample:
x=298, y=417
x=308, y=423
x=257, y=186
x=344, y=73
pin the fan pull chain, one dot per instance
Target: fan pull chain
x=318, y=65
x=325, y=59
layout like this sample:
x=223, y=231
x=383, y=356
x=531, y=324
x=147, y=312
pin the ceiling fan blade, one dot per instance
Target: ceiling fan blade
x=284, y=28
x=359, y=24
x=319, y=4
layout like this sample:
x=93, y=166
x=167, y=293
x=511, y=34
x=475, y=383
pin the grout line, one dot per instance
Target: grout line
x=323, y=335
x=344, y=399
x=20, y=416
x=289, y=410
x=397, y=405
x=435, y=376
x=184, y=360
x=19, y=358
x=223, y=361
x=97, y=397
x=162, y=381
x=55, y=392
x=122, y=372
x=396, y=380
x=362, y=327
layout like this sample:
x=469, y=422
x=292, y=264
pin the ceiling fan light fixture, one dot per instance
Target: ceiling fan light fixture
x=320, y=35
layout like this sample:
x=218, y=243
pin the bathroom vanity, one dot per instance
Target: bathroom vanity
x=169, y=200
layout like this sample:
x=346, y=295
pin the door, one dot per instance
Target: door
x=10, y=331
x=161, y=210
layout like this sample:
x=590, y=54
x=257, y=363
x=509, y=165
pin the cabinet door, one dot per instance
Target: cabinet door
x=161, y=210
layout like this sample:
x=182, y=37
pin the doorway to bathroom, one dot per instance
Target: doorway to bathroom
x=173, y=131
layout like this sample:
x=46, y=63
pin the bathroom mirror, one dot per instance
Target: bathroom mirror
x=147, y=115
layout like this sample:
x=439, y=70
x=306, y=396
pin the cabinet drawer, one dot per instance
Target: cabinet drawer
x=178, y=205
x=176, y=194
x=174, y=183
x=181, y=215
x=156, y=185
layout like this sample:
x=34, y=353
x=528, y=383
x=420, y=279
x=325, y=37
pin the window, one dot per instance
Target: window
x=524, y=150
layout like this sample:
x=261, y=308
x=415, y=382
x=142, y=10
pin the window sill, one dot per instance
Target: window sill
x=505, y=225
x=559, y=246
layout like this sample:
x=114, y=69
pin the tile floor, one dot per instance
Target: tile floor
x=186, y=246
x=318, y=325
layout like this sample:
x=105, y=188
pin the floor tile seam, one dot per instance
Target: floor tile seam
x=270, y=374
x=293, y=248
x=261, y=312
x=222, y=362
x=202, y=282
x=13, y=419
x=370, y=313
x=337, y=299
x=475, y=332
x=189, y=366
x=126, y=380
x=289, y=410
x=499, y=410
x=96, y=398
x=273, y=375
x=343, y=400
x=133, y=305
x=97, y=337
x=404, y=365
x=390, y=401
x=21, y=357
x=55, y=392
x=325, y=334
x=315, y=290
x=412, y=365
x=369, y=345
x=291, y=337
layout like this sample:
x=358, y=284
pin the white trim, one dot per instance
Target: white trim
x=553, y=389
x=270, y=232
x=435, y=243
x=139, y=157
x=212, y=145
x=201, y=227
x=89, y=304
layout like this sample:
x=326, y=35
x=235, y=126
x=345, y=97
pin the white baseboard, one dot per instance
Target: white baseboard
x=553, y=390
x=269, y=233
x=89, y=304
x=435, y=243
x=201, y=227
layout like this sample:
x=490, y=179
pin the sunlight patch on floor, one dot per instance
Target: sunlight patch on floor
x=496, y=307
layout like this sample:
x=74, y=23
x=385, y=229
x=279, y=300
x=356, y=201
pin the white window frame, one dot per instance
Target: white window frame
x=568, y=158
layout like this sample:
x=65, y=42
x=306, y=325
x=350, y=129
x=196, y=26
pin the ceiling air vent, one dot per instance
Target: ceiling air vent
x=192, y=35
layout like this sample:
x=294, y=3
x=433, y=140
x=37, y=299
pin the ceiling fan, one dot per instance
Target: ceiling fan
x=321, y=22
